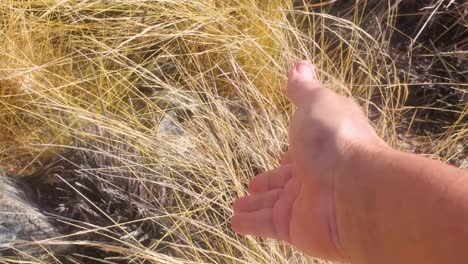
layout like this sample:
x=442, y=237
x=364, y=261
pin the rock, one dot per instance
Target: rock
x=237, y=107
x=21, y=220
x=170, y=129
x=170, y=126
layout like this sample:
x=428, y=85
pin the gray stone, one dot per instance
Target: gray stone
x=170, y=126
x=21, y=220
x=171, y=130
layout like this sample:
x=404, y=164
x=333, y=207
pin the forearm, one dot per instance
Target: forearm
x=404, y=209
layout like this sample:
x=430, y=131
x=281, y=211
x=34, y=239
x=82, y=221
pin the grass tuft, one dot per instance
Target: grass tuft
x=141, y=120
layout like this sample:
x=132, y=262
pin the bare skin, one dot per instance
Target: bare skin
x=342, y=194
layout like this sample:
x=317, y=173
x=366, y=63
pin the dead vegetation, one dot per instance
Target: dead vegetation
x=139, y=121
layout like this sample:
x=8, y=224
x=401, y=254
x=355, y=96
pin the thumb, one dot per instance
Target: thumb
x=302, y=82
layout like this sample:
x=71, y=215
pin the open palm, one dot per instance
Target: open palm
x=298, y=202
x=280, y=206
x=294, y=202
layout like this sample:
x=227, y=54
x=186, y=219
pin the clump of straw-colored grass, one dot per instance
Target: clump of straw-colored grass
x=97, y=79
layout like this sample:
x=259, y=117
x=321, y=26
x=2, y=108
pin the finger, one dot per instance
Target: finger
x=283, y=209
x=287, y=158
x=258, y=223
x=257, y=202
x=302, y=81
x=270, y=180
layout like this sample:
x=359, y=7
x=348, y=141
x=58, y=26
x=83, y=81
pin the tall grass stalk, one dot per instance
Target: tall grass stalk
x=99, y=77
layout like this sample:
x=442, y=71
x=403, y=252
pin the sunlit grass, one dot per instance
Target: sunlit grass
x=100, y=77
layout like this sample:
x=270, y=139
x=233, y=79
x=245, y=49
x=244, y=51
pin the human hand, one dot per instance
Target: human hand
x=298, y=202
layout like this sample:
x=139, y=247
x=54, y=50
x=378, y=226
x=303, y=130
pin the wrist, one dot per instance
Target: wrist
x=361, y=153
x=354, y=194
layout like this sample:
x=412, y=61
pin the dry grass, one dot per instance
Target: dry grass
x=92, y=81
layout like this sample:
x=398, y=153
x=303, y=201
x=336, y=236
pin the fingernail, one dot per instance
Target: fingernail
x=303, y=67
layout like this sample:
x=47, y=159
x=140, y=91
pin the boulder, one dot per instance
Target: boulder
x=22, y=224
